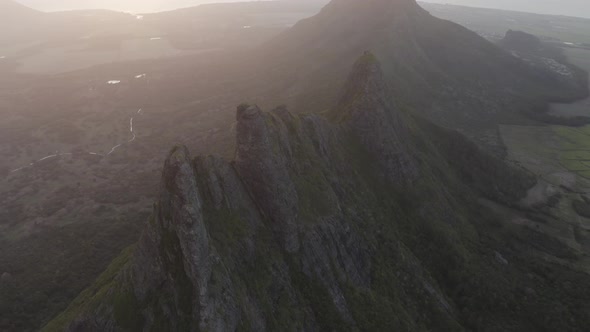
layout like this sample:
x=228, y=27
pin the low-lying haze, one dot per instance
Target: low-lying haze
x=578, y=8
x=122, y=5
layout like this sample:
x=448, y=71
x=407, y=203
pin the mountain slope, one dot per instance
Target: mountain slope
x=21, y=25
x=448, y=73
x=367, y=219
x=15, y=18
x=550, y=64
x=13, y=10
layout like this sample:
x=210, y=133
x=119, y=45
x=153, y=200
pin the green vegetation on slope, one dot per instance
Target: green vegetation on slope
x=89, y=297
x=574, y=147
x=72, y=257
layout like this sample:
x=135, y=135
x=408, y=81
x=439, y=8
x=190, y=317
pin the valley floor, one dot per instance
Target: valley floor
x=560, y=157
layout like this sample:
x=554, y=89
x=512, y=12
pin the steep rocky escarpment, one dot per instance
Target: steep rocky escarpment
x=367, y=107
x=363, y=219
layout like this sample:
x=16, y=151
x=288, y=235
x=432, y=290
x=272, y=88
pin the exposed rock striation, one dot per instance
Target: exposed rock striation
x=263, y=157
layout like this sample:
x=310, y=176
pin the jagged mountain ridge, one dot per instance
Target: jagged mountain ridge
x=444, y=71
x=320, y=224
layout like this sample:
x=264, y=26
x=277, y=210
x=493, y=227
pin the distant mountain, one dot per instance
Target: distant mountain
x=22, y=25
x=18, y=22
x=448, y=73
x=522, y=41
x=12, y=11
x=576, y=8
x=550, y=64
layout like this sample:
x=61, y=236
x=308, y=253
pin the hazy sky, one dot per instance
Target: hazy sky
x=579, y=8
x=124, y=5
x=558, y=7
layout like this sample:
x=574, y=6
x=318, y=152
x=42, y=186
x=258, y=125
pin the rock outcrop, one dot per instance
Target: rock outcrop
x=371, y=114
x=263, y=157
x=522, y=42
x=320, y=223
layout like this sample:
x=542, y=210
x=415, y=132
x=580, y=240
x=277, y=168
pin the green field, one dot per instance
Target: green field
x=559, y=156
x=574, y=143
x=495, y=23
x=551, y=152
x=574, y=146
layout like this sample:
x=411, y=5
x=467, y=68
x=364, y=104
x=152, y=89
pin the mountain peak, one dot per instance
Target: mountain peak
x=373, y=7
x=369, y=111
x=365, y=79
x=373, y=3
x=246, y=111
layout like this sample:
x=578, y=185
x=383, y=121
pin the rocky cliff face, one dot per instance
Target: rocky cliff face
x=370, y=113
x=362, y=219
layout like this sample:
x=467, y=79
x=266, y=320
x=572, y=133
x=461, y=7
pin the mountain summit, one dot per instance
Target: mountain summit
x=372, y=8
x=445, y=72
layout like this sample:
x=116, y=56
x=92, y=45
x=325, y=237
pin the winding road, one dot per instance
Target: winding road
x=113, y=149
